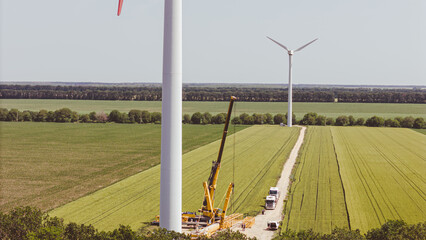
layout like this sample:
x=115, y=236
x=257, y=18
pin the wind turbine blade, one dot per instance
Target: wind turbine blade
x=277, y=43
x=302, y=47
x=120, y=5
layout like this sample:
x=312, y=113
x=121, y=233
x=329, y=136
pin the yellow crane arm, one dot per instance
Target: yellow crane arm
x=216, y=164
x=225, y=205
x=208, y=197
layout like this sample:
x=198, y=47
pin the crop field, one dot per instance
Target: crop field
x=365, y=110
x=49, y=164
x=382, y=172
x=317, y=200
x=260, y=152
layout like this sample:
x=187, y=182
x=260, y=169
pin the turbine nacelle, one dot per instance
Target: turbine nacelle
x=291, y=52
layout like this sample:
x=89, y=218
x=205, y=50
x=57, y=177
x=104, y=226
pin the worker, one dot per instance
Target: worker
x=263, y=211
x=244, y=226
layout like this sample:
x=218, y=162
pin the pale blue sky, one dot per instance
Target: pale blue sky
x=361, y=41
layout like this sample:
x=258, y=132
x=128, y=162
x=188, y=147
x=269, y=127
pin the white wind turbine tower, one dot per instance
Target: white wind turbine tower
x=171, y=120
x=290, y=86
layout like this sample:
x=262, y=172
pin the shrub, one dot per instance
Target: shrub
x=309, y=119
x=242, y=116
x=269, y=119
x=196, y=118
x=258, y=118
x=408, y=122
x=351, y=120
x=41, y=116
x=26, y=116
x=13, y=115
x=84, y=118
x=135, y=116
x=360, y=121
x=219, y=118
x=156, y=117
x=236, y=120
x=419, y=123
x=74, y=116
x=114, y=116
x=186, y=119
x=248, y=120
x=19, y=222
x=101, y=117
x=146, y=117
x=342, y=121
x=399, y=119
x=3, y=114
x=279, y=118
x=92, y=116
x=30, y=223
x=398, y=229
x=321, y=120
x=207, y=118
x=375, y=121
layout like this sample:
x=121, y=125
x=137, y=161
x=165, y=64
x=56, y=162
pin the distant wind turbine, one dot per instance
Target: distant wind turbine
x=290, y=86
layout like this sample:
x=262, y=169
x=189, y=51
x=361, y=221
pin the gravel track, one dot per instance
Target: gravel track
x=258, y=230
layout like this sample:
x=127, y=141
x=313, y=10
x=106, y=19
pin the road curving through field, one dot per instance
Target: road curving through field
x=259, y=230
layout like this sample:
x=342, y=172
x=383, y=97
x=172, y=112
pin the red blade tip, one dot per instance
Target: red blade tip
x=120, y=5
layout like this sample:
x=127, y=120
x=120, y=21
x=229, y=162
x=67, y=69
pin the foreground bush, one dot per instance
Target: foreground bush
x=391, y=230
x=27, y=223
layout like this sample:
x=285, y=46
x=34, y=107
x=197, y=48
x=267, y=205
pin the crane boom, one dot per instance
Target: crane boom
x=216, y=164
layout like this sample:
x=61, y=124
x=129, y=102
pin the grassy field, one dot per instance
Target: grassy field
x=382, y=173
x=423, y=131
x=260, y=152
x=49, y=164
x=317, y=199
x=365, y=110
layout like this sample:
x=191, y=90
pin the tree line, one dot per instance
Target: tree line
x=27, y=223
x=144, y=117
x=191, y=93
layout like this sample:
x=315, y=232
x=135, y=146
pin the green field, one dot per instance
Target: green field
x=260, y=152
x=382, y=173
x=49, y=164
x=366, y=110
x=317, y=199
x=420, y=130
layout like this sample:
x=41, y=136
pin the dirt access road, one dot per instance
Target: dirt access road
x=258, y=230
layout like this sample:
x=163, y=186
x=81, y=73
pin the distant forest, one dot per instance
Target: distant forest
x=191, y=93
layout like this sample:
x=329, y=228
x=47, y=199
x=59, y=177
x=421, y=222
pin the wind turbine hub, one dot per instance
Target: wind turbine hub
x=290, y=52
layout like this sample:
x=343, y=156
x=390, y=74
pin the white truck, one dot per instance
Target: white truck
x=272, y=198
x=273, y=191
x=270, y=202
x=273, y=225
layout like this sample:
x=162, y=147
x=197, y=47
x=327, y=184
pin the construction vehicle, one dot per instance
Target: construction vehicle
x=270, y=202
x=210, y=215
x=273, y=225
